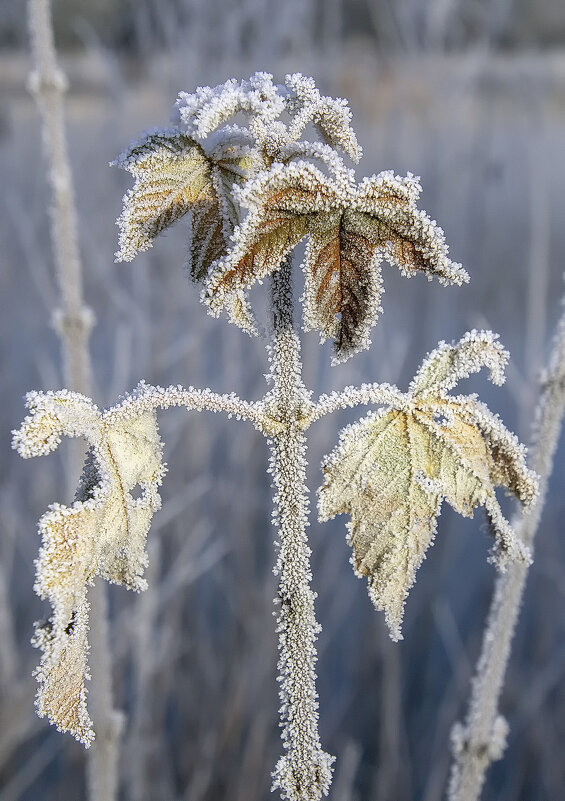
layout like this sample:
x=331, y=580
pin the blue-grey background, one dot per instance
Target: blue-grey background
x=471, y=97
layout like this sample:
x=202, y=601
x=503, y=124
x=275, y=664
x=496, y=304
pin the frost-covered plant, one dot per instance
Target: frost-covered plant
x=255, y=191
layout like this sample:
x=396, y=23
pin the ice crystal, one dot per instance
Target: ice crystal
x=392, y=470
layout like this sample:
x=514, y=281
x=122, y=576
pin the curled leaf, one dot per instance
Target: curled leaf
x=446, y=365
x=208, y=108
x=103, y=533
x=331, y=116
x=392, y=470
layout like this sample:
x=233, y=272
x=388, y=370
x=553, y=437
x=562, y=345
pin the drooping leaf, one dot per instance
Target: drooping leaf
x=103, y=533
x=174, y=175
x=343, y=282
x=392, y=470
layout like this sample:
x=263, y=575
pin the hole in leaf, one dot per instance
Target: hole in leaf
x=71, y=625
x=137, y=492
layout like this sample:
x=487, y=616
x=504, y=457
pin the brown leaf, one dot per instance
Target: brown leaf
x=343, y=282
x=284, y=203
x=410, y=240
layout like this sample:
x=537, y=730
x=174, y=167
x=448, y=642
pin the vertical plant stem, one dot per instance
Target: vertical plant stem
x=102, y=766
x=304, y=772
x=481, y=740
x=73, y=323
x=49, y=84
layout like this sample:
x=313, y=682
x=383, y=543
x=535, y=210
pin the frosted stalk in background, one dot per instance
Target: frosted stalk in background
x=73, y=323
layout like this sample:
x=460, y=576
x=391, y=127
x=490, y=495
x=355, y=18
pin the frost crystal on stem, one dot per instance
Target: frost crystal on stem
x=304, y=772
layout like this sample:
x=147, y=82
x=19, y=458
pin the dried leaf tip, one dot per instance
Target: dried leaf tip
x=102, y=533
x=392, y=470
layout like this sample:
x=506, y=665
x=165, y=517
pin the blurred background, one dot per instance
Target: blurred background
x=470, y=95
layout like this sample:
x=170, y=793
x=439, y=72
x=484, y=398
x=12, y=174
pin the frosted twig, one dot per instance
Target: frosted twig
x=481, y=739
x=356, y=396
x=146, y=397
x=48, y=84
x=73, y=324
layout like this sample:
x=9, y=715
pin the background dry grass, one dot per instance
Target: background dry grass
x=195, y=655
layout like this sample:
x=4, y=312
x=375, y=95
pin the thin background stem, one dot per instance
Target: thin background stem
x=73, y=323
x=482, y=739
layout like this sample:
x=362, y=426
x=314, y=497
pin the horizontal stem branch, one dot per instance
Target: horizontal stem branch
x=146, y=397
x=354, y=396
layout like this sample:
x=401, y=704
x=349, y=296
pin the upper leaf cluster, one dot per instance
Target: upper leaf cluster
x=256, y=191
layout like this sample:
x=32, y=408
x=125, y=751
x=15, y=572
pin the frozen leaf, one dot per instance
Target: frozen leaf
x=447, y=365
x=343, y=282
x=392, y=470
x=350, y=229
x=174, y=175
x=410, y=240
x=203, y=111
x=284, y=201
x=331, y=116
x=102, y=533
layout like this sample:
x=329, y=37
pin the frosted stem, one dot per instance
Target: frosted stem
x=481, y=740
x=356, y=396
x=102, y=766
x=304, y=772
x=146, y=397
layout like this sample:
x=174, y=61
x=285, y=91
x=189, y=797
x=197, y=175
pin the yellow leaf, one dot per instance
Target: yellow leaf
x=392, y=470
x=102, y=534
x=174, y=175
